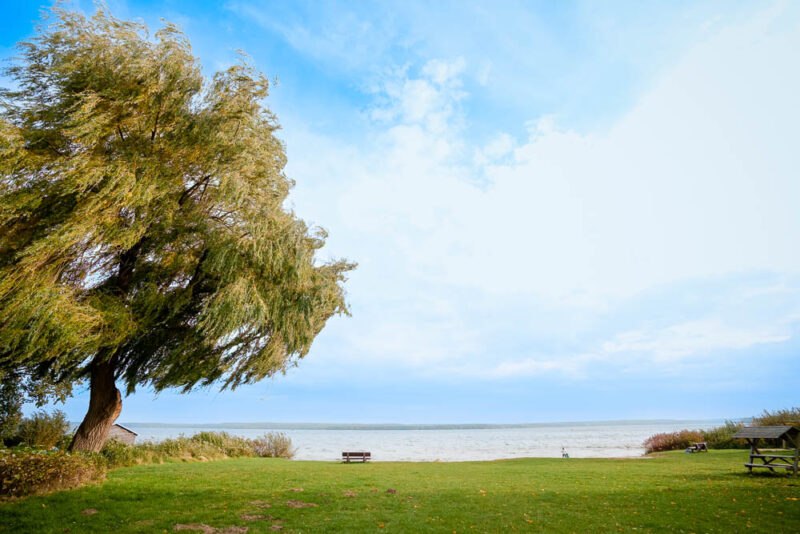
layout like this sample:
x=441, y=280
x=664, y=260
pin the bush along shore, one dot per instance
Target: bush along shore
x=720, y=437
x=25, y=470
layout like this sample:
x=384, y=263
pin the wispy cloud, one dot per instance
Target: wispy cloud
x=695, y=181
x=699, y=338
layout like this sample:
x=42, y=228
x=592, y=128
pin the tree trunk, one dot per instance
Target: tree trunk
x=105, y=405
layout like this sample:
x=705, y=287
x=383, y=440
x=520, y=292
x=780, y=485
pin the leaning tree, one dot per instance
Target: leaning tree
x=143, y=234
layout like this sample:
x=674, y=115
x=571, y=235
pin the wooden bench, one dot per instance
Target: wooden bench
x=772, y=461
x=771, y=467
x=360, y=456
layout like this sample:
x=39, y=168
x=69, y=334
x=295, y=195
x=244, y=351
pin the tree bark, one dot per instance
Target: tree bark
x=105, y=400
x=105, y=405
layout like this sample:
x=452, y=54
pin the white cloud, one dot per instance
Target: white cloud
x=697, y=180
x=678, y=342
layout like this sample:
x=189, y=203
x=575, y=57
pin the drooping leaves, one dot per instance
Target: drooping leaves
x=142, y=215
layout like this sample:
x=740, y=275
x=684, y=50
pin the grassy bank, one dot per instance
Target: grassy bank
x=676, y=492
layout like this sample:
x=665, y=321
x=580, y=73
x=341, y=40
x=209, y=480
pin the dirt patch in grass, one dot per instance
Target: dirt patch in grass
x=254, y=517
x=195, y=527
x=207, y=529
x=300, y=504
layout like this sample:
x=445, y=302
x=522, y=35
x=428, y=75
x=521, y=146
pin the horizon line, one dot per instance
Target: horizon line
x=413, y=426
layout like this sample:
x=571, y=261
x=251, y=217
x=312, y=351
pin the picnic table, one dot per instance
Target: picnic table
x=697, y=447
x=782, y=435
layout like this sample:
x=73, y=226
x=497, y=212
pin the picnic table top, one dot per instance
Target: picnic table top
x=765, y=432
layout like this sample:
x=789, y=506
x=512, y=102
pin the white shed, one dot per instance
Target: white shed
x=122, y=434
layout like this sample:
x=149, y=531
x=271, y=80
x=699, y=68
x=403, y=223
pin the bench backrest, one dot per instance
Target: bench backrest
x=360, y=454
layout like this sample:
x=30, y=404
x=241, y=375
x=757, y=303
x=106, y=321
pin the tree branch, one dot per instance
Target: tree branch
x=155, y=125
x=188, y=192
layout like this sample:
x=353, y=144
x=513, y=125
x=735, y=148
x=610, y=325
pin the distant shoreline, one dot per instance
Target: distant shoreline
x=397, y=426
x=444, y=442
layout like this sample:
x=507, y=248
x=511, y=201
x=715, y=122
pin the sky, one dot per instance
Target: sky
x=561, y=211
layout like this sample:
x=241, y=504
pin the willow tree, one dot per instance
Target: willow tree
x=143, y=235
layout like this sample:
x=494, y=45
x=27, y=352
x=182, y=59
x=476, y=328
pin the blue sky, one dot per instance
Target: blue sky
x=561, y=211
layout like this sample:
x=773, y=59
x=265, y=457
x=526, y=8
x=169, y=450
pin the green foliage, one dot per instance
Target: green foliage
x=274, y=445
x=118, y=454
x=674, y=492
x=721, y=437
x=26, y=472
x=230, y=446
x=202, y=446
x=42, y=430
x=142, y=218
x=787, y=416
x=10, y=405
x=672, y=441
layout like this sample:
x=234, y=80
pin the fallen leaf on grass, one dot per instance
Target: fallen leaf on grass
x=350, y=493
x=296, y=490
x=300, y=504
x=391, y=490
x=260, y=504
x=89, y=511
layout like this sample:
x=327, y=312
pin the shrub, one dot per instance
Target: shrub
x=118, y=454
x=64, y=442
x=183, y=448
x=10, y=405
x=721, y=437
x=201, y=446
x=672, y=441
x=274, y=445
x=778, y=417
x=43, y=430
x=230, y=446
x=25, y=472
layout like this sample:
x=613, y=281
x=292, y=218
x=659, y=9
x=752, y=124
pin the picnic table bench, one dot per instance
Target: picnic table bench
x=358, y=456
x=771, y=461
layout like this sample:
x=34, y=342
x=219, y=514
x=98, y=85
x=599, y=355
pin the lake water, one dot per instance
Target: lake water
x=449, y=444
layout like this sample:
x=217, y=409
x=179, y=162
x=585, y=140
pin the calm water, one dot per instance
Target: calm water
x=581, y=440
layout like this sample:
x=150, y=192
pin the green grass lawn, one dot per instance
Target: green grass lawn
x=674, y=492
